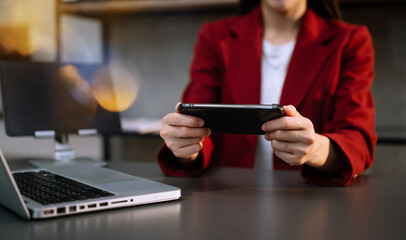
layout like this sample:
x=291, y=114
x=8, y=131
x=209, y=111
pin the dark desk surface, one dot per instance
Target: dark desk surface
x=230, y=203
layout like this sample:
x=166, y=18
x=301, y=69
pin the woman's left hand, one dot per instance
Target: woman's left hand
x=294, y=140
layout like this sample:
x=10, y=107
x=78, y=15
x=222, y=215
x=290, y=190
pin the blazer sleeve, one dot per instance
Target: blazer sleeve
x=352, y=127
x=204, y=87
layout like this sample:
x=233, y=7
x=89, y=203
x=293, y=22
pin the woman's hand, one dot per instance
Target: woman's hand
x=183, y=135
x=294, y=141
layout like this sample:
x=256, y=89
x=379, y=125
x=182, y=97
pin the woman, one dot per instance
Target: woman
x=294, y=52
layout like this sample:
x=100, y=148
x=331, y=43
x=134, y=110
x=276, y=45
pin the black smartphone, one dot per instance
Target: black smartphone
x=233, y=118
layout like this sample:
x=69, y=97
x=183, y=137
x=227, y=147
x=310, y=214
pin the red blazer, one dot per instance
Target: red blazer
x=328, y=80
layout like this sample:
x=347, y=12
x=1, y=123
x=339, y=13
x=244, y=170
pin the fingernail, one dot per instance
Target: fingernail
x=201, y=123
x=263, y=127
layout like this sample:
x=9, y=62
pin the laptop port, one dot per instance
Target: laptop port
x=123, y=201
x=82, y=207
x=72, y=209
x=48, y=212
x=91, y=206
x=104, y=204
x=61, y=210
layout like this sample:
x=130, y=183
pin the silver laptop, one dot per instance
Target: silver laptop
x=59, y=191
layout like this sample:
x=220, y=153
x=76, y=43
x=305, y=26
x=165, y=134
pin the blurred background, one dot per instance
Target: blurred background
x=146, y=46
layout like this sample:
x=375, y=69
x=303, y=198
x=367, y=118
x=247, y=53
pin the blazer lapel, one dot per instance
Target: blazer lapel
x=245, y=71
x=243, y=54
x=307, y=60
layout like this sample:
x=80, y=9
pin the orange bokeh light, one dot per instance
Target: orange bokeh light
x=114, y=88
x=15, y=41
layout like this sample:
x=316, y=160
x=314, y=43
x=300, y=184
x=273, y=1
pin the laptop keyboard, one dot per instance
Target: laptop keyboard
x=49, y=188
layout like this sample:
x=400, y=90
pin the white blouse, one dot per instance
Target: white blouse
x=275, y=61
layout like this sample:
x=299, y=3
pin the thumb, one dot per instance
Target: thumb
x=291, y=111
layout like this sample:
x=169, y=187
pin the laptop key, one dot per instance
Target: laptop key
x=46, y=188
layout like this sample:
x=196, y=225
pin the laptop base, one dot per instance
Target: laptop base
x=52, y=163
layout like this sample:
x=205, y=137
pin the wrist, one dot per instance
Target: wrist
x=320, y=153
x=328, y=159
x=189, y=161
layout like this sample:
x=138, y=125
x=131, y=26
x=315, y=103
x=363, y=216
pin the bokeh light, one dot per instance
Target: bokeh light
x=27, y=29
x=15, y=41
x=73, y=103
x=77, y=86
x=114, y=87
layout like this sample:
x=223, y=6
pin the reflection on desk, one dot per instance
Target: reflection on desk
x=391, y=134
x=233, y=203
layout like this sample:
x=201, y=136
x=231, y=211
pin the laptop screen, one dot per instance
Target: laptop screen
x=52, y=97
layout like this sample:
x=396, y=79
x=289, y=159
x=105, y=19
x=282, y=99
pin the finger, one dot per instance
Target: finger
x=187, y=151
x=185, y=132
x=177, y=119
x=288, y=136
x=282, y=146
x=297, y=149
x=177, y=143
x=289, y=158
x=283, y=123
x=291, y=111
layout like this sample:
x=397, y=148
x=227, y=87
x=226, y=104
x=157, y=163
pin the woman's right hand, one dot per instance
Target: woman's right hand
x=183, y=135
